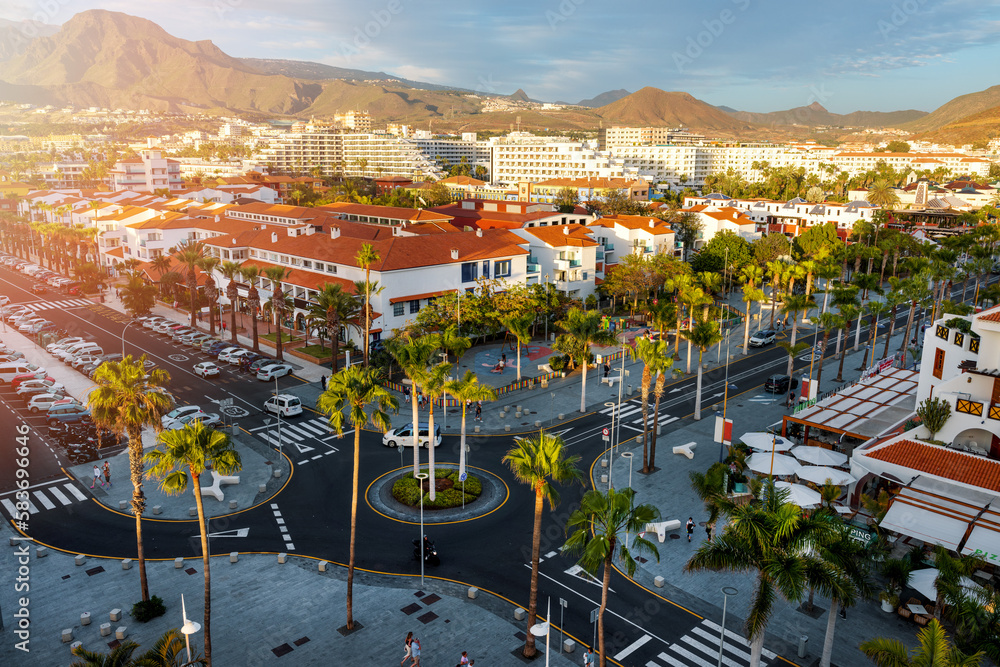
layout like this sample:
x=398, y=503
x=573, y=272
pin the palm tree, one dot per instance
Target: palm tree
x=365, y=258
x=333, y=306
x=138, y=296
x=191, y=257
x=454, y=343
x=250, y=274
x=435, y=380
x=875, y=311
x=276, y=274
x=125, y=401
x=184, y=455
x=663, y=364
x=467, y=389
x=679, y=284
x=916, y=291
x=777, y=270
x=538, y=461
x=704, y=335
x=951, y=571
x=519, y=326
x=693, y=298
x=161, y=263
x=167, y=651
x=655, y=359
x=595, y=531
x=934, y=651
x=751, y=275
x=828, y=322
x=357, y=390
x=771, y=538
x=584, y=329
x=848, y=312
x=791, y=307
x=230, y=271
x=208, y=266
x=414, y=354
x=882, y=193
x=852, y=562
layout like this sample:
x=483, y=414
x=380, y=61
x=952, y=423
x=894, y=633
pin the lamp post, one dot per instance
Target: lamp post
x=189, y=628
x=277, y=413
x=421, y=476
x=552, y=408
x=542, y=630
x=611, y=439
x=726, y=592
x=628, y=455
x=123, y=337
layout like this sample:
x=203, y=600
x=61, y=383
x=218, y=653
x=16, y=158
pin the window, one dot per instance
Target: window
x=414, y=306
x=938, y=363
x=397, y=309
x=486, y=269
x=501, y=269
x=469, y=272
x=331, y=268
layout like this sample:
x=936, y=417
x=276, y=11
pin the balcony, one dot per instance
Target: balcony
x=533, y=268
x=609, y=247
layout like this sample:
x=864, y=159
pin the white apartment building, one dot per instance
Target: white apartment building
x=147, y=173
x=609, y=137
x=791, y=217
x=521, y=156
x=620, y=235
x=566, y=256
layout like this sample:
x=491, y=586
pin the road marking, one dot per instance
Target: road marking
x=235, y=532
x=59, y=496
x=75, y=491
x=44, y=500
x=631, y=648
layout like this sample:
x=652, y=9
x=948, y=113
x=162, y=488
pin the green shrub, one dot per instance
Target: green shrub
x=406, y=490
x=147, y=610
x=473, y=486
x=443, y=473
x=557, y=362
x=444, y=499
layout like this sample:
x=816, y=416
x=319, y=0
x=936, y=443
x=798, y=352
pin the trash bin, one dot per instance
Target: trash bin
x=803, y=645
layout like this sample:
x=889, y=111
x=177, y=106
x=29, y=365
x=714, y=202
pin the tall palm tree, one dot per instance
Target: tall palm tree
x=663, y=364
x=125, y=401
x=519, y=326
x=934, y=651
x=435, y=381
x=916, y=291
x=250, y=274
x=852, y=563
x=231, y=271
x=883, y=193
x=138, y=296
x=791, y=307
x=703, y=336
x=679, y=284
x=848, y=312
x=538, y=461
x=358, y=391
x=184, y=456
x=466, y=389
x=875, y=310
x=655, y=359
x=208, y=266
x=333, y=307
x=595, y=530
x=693, y=298
x=276, y=274
x=584, y=329
x=365, y=258
x=414, y=354
x=828, y=322
x=771, y=538
x=191, y=257
x=777, y=271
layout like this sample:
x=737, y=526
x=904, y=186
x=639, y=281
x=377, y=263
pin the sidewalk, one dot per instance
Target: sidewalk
x=255, y=619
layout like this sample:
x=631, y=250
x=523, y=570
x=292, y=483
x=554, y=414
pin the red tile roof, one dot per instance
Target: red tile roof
x=303, y=278
x=390, y=212
x=942, y=462
x=990, y=315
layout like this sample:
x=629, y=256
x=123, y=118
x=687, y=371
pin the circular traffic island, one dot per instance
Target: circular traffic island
x=449, y=490
x=397, y=495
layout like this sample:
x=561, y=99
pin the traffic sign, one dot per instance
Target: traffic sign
x=464, y=476
x=606, y=431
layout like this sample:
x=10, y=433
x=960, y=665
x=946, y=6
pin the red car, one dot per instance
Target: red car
x=18, y=379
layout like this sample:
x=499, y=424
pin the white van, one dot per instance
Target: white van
x=404, y=435
x=10, y=369
x=285, y=405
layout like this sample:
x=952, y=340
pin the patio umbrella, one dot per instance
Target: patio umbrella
x=922, y=581
x=764, y=441
x=819, y=475
x=800, y=495
x=819, y=456
x=760, y=462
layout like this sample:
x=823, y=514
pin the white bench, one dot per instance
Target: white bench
x=687, y=450
x=611, y=379
x=545, y=368
x=217, y=481
x=661, y=528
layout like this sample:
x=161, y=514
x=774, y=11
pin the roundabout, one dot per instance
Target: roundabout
x=494, y=493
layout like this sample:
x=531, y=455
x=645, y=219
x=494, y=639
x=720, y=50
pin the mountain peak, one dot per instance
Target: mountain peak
x=520, y=96
x=816, y=106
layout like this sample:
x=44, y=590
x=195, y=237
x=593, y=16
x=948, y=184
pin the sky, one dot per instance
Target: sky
x=753, y=55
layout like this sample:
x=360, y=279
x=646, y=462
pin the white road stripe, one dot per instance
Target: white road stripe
x=670, y=660
x=712, y=650
x=9, y=506
x=75, y=491
x=691, y=657
x=44, y=500
x=631, y=648
x=737, y=638
x=318, y=429
x=732, y=648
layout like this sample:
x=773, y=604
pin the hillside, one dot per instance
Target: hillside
x=15, y=35
x=604, y=98
x=816, y=115
x=981, y=126
x=652, y=106
x=303, y=69
x=957, y=109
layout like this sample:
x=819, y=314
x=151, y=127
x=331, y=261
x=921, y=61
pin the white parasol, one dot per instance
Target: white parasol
x=763, y=442
x=819, y=456
x=819, y=475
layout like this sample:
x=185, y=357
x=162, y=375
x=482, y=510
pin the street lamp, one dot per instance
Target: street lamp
x=123, y=337
x=189, y=627
x=542, y=630
x=628, y=455
x=277, y=413
x=726, y=592
x=421, y=476
x=611, y=438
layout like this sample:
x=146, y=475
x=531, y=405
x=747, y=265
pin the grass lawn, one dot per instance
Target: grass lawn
x=273, y=337
x=316, y=351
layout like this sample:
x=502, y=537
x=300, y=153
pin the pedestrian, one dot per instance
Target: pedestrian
x=406, y=648
x=415, y=652
x=607, y=369
x=322, y=382
x=690, y=527
x=588, y=658
x=791, y=398
x=406, y=394
x=843, y=612
x=465, y=659
x=97, y=477
x=117, y=293
x=479, y=412
x=107, y=473
x=710, y=531
x=223, y=327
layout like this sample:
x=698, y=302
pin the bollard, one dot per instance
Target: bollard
x=604, y=463
x=115, y=615
x=638, y=439
x=67, y=635
x=157, y=509
x=126, y=563
x=234, y=556
x=192, y=511
x=277, y=473
x=105, y=629
x=658, y=581
x=123, y=505
x=282, y=557
x=473, y=592
x=41, y=552
x=477, y=428
x=506, y=427
x=79, y=559
x=538, y=423
x=803, y=645
x=232, y=504
x=75, y=646
x=178, y=563
x=322, y=565
x=519, y=614
x=630, y=390
x=121, y=632
x=604, y=479
x=517, y=414
x=561, y=416
x=85, y=618
x=569, y=646
x=262, y=488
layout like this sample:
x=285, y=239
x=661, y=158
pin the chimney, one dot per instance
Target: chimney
x=274, y=237
x=479, y=233
x=454, y=253
x=652, y=223
x=218, y=218
x=566, y=230
x=335, y=232
x=233, y=240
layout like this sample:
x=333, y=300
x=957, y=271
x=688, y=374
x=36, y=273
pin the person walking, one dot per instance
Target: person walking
x=97, y=477
x=710, y=531
x=406, y=648
x=588, y=658
x=464, y=661
x=107, y=473
x=415, y=652
x=322, y=382
x=607, y=369
x=479, y=412
x=690, y=527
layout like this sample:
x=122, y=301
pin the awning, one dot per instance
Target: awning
x=984, y=542
x=925, y=524
x=418, y=297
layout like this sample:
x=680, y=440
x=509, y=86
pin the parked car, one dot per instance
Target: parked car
x=11, y=355
x=4, y=299
x=179, y=332
x=42, y=402
x=196, y=341
x=178, y=412
x=69, y=413
x=31, y=387
x=83, y=360
x=404, y=435
x=273, y=371
x=182, y=421
x=235, y=358
x=206, y=369
x=63, y=343
x=153, y=322
x=229, y=353
x=258, y=364
x=762, y=338
x=779, y=384
x=220, y=348
x=42, y=327
x=248, y=359
x=32, y=372
x=284, y=405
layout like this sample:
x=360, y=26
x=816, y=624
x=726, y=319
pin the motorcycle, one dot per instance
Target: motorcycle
x=430, y=552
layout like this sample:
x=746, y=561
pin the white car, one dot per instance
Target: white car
x=24, y=326
x=4, y=299
x=182, y=421
x=83, y=360
x=206, y=369
x=42, y=402
x=178, y=412
x=230, y=352
x=31, y=386
x=153, y=322
x=274, y=371
x=285, y=405
x=63, y=343
x=235, y=358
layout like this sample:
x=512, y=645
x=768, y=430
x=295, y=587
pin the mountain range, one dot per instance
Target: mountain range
x=110, y=59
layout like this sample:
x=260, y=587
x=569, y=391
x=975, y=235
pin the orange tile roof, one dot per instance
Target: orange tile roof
x=115, y=252
x=637, y=222
x=391, y=212
x=942, y=462
x=177, y=267
x=578, y=236
x=303, y=278
x=990, y=314
x=461, y=180
x=279, y=210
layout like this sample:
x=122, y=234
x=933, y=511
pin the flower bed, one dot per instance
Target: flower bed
x=448, y=490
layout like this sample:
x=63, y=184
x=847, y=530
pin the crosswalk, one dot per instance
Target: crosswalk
x=44, y=498
x=700, y=648
x=631, y=415
x=59, y=305
x=296, y=436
